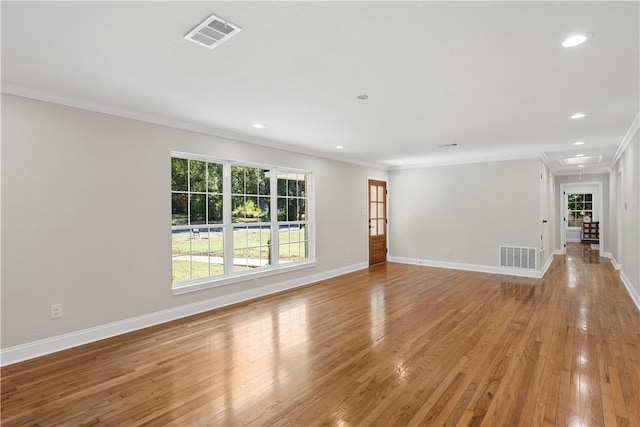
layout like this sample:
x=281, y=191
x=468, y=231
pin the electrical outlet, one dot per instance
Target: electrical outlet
x=56, y=311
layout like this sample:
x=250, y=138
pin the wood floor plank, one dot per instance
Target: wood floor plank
x=390, y=345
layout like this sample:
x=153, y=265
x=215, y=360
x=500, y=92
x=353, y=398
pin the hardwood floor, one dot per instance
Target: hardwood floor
x=391, y=345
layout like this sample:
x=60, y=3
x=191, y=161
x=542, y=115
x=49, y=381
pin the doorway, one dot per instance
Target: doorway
x=377, y=221
x=582, y=215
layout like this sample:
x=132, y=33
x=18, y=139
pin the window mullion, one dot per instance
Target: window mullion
x=275, y=229
x=226, y=219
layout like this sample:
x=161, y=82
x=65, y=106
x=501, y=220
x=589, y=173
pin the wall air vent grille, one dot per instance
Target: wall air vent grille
x=212, y=32
x=518, y=257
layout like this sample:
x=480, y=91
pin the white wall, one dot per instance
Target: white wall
x=86, y=216
x=626, y=213
x=462, y=213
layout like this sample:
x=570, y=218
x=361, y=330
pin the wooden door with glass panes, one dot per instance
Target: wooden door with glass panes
x=377, y=221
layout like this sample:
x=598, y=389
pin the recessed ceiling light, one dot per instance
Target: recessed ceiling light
x=580, y=166
x=578, y=116
x=576, y=39
x=363, y=96
x=579, y=155
x=259, y=125
x=579, y=143
x=339, y=147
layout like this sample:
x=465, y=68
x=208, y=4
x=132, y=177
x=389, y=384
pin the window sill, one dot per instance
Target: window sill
x=193, y=286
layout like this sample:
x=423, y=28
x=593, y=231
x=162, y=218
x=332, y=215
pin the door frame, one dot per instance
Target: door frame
x=563, y=214
x=365, y=213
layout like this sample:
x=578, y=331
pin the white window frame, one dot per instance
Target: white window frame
x=229, y=276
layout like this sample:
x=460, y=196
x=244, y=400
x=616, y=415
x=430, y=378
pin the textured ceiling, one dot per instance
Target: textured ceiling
x=489, y=76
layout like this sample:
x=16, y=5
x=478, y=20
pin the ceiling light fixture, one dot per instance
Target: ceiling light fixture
x=339, y=147
x=363, y=96
x=578, y=116
x=579, y=143
x=580, y=166
x=579, y=155
x=576, y=39
x=259, y=125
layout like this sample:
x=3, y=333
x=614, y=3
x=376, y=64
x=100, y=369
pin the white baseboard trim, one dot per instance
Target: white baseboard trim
x=635, y=295
x=546, y=265
x=45, y=346
x=558, y=252
x=470, y=267
x=616, y=264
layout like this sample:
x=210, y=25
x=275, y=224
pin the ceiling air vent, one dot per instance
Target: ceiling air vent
x=212, y=32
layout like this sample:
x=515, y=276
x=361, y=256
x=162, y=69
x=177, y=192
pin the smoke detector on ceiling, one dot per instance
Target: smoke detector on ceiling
x=212, y=32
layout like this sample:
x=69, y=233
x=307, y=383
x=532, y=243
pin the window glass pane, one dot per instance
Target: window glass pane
x=292, y=187
x=240, y=260
x=372, y=210
x=216, y=251
x=284, y=231
x=265, y=183
x=214, y=171
x=579, y=197
x=215, y=208
x=373, y=229
x=252, y=245
x=237, y=208
x=252, y=210
x=373, y=194
x=294, y=233
x=282, y=185
x=292, y=209
x=587, y=206
x=284, y=253
x=380, y=210
x=179, y=174
x=282, y=209
x=197, y=176
x=179, y=208
x=252, y=178
x=302, y=208
x=197, y=214
x=302, y=186
x=180, y=255
x=380, y=194
x=264, y=204
x=199, y=253
x=572, y=206
x=380, y=227
x=237, y=180
x=588, y=197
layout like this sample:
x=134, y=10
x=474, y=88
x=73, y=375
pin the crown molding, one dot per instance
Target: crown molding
x=47, y=96
x=633, y=129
